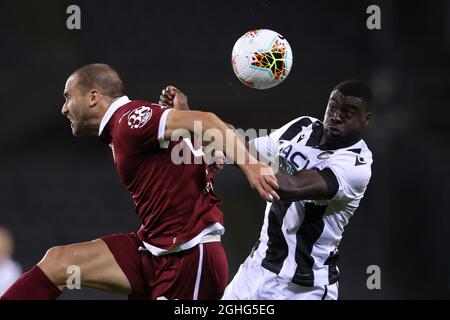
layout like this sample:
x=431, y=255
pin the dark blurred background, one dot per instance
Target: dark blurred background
x=56, y=189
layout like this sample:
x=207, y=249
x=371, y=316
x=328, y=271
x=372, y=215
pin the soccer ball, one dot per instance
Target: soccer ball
x=261, y=58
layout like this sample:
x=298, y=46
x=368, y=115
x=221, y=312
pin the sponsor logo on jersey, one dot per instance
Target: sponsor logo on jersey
x=285, y=165
x=325, y=155
x=139, y=117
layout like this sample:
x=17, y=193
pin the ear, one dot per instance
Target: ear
x=368, y=116
x=94, y=98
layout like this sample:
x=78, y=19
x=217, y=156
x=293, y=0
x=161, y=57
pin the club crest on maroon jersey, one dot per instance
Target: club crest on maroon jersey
x=139, y=117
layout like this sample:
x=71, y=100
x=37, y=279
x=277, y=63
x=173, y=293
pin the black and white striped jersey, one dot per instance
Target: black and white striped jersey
x=299, y=240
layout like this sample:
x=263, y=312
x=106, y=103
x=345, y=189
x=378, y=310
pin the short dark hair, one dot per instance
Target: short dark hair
x=356, y=88
x=102, y=77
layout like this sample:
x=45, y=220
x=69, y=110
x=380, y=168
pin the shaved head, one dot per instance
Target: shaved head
x=88, y=93
x=101, y=77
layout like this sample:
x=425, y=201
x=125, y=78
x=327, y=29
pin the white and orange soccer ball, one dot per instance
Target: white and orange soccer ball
x=262, y=58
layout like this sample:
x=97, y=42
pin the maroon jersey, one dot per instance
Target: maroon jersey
x=175, y=202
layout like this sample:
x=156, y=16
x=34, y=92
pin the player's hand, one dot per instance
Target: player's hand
x=262, y=178
x=173, y=98
x=219, y=162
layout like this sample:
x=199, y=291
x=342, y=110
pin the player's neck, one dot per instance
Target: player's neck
x=331, y=143
x=96, y=118
x=104, y=106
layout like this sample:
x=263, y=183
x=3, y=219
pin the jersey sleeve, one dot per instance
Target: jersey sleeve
x=143, y=128
x=352, y=173
x=267, y=146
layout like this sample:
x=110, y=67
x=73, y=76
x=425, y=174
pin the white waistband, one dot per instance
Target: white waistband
x=210, y=238
x=205, y=239
x=209, y=234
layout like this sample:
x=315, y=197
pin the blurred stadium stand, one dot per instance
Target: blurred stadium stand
x=55, y=189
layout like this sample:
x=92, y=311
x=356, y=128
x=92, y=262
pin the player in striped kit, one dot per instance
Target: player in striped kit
x=325, y=170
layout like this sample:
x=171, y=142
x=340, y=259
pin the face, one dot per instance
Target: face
x=77, y=108
x=345, y=117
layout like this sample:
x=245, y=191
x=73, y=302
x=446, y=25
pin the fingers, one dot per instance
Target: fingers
x=165, y=102
x=266, y=193
x=264, y=182
x=275, y=195
x=272, y=181
x=267, y=172
x=171, y=90
x=167, y=96
x=270, y=193
x=265, y=190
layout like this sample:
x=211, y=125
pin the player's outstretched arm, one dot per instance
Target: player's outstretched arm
x=174, y=98
x=305, y=184
x=259, y=175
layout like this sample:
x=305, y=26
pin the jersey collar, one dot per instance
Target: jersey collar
x=110, y=111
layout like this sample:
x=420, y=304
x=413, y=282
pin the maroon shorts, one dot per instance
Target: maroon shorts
x=197, y=273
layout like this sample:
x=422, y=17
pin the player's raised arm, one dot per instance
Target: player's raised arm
x=307, y=184
x=259, y=175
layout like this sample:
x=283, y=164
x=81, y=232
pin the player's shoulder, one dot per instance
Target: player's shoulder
x=297, y=125
x=137, y=113
x=358, y=155
x=303, y=121
x=138, y=106
x=352, y=168
x=360, y=148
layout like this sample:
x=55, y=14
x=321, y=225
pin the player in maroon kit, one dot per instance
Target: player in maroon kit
x=177, y=253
